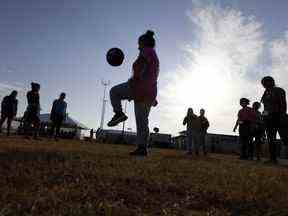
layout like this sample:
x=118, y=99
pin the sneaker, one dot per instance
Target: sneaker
x=189, y=153
x=139, y=152
x=117, y=118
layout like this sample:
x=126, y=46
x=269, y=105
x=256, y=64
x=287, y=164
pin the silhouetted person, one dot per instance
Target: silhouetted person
x=204, y=125
x=8, y=110
x=245, y=121
x=142, y=88
x=58, y=115
x=258, y=130
x=274, y=114
x=31, y=116
x=192, y=131
x=91, y=134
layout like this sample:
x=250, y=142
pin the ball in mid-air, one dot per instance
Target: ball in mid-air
x=115, y=57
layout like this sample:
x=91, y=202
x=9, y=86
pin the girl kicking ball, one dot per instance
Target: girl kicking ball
x=141, y=88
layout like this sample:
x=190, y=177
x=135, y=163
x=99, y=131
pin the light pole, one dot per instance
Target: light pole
x=105, y=84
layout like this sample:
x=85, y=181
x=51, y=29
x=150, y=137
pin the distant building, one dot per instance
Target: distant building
x=127, y=137
x=215, y=143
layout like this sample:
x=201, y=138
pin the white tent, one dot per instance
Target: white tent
x=68, y=123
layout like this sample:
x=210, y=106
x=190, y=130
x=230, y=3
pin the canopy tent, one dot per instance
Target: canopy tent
x=68, y=123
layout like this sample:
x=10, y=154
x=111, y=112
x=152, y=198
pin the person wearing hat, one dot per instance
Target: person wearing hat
x=274, y=115
x=31, y=116
x=245, y=121
x=8, y=110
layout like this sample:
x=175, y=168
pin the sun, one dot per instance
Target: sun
x=202, y=85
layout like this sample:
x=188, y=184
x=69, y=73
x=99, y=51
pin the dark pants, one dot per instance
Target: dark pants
x=124, y=92
x=259, y=133
x=247, y=149
x=31, y=118
x=202, y=141
x=258, y=146
x=275, y=123
x=57, y=121
x=9, y=118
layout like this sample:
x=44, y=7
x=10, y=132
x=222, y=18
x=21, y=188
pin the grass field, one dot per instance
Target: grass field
x=81, y=178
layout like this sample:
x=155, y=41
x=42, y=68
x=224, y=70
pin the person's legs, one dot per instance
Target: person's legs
x=118, y=93
x=250, y=147
x=202, y=140
x=244, y=139
x=258, y=146
x=36, y=126
x=189, y=141
x=142, y=111
x=2, y=120
x=58, y=126
x=9, y=121
x=271, y=131
x=196, y=143
x=53, y=125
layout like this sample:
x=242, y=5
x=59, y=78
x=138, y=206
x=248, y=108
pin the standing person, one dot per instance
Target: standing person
x=246, y=118
x=274, y=114
x=31, y=116
x=91, y=134
x=142, y=88
x=8, y=110
x=192, y=132
x=259, y=130
x=204, y=125
x=58, y=114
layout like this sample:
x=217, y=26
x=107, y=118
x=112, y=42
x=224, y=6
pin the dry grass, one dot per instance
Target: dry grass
x=78, y=178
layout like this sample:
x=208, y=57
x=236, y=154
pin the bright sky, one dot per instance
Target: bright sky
x=211, y=53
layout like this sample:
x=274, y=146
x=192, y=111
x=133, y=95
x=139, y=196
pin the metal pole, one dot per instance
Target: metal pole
x=105, y=84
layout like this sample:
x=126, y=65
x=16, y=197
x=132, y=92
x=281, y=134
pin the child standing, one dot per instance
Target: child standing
x=259, y=130
x=192, y=133
x=142, y=88
x=246, y=118
x=8, y=110
x=31, y=115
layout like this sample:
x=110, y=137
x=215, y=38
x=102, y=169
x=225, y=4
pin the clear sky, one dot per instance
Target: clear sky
x=62, y=45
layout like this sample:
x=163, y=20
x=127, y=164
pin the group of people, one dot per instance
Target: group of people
x=31, y=121
x=197, y=127
x=255, y=126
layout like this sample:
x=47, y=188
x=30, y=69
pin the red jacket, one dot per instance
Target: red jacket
x=145, y=76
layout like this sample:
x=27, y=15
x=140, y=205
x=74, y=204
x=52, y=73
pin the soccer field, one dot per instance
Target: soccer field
x=81, y=178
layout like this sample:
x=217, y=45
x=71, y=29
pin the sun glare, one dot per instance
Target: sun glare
x=203, y=85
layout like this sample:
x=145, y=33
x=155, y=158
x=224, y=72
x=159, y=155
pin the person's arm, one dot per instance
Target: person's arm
x=283, y=102
x=15, y=108
x=207, y=124
x=185, y=121
x=52, y=110
x=236, y=126
x=3, y=103
x=65, y=112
